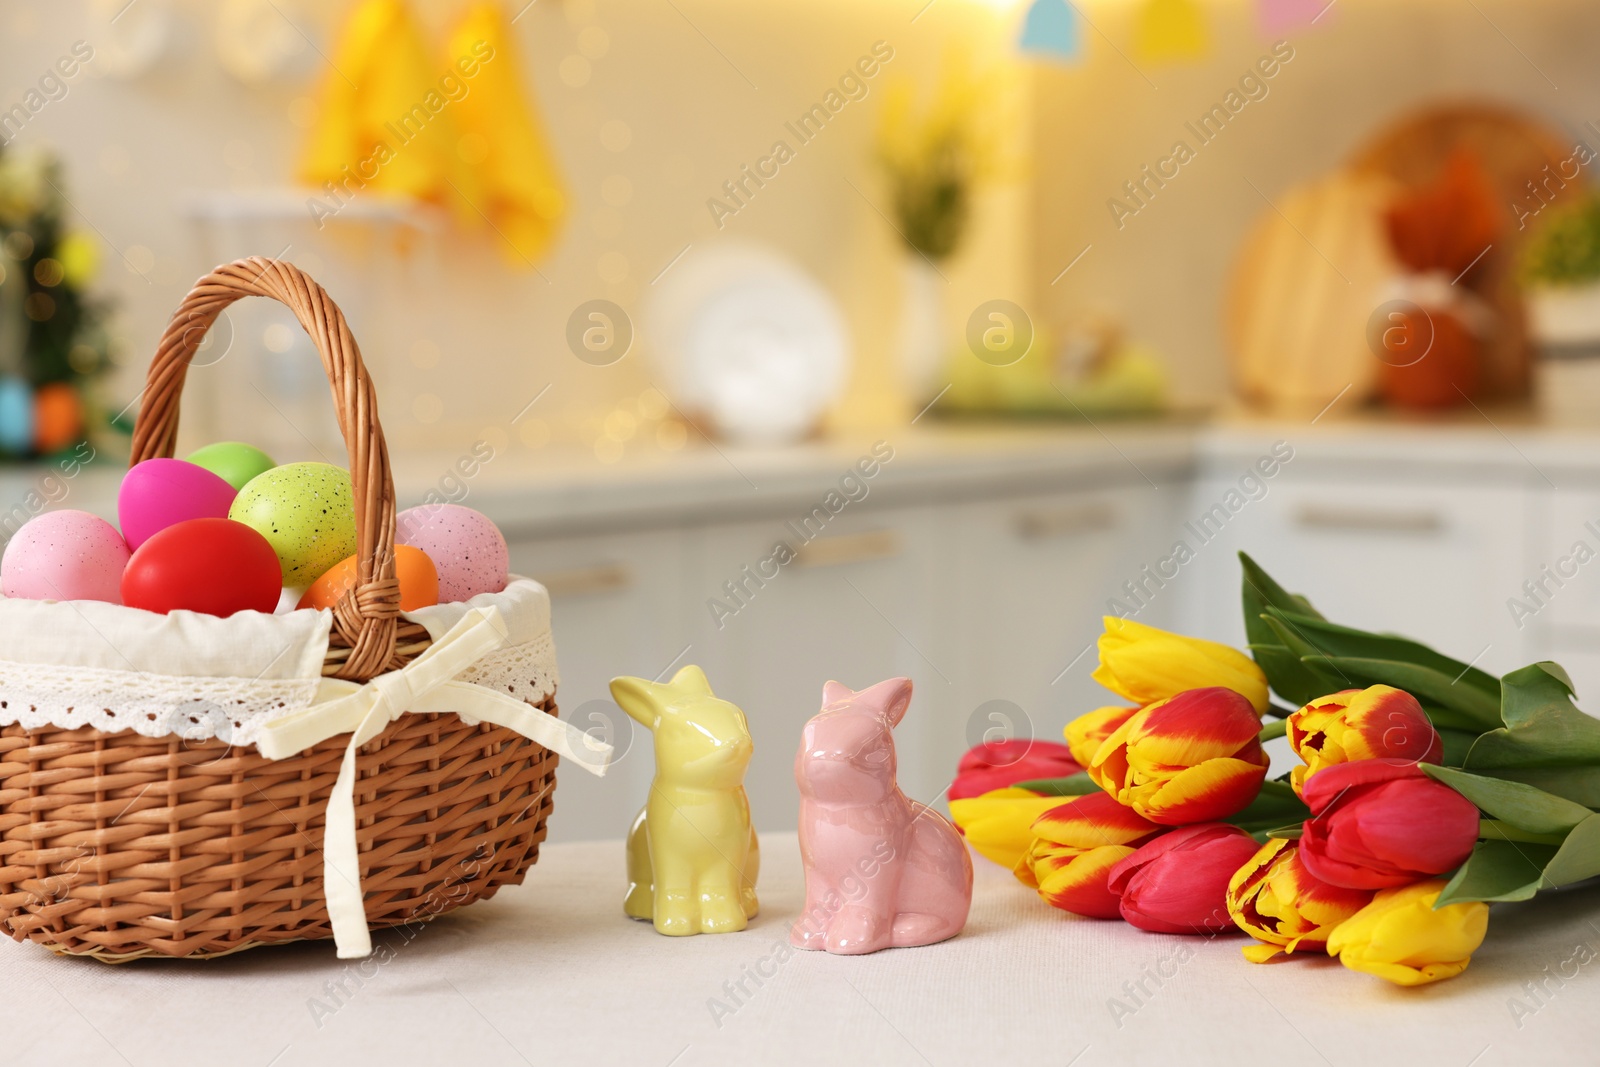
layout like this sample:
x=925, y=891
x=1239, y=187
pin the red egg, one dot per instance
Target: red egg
x=213, y=566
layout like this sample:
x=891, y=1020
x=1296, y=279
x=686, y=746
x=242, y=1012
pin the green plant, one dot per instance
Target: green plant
x=1565, y=247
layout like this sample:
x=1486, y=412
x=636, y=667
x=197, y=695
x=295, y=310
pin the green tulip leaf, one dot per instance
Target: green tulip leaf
x=1447, y=704
x=1331, y=639
x=1522, y=805
x=1457, y=743
x=1073, y=785
x=1498, y=870
x=1579, y=857
x=1289, y=678
x=1546, y=741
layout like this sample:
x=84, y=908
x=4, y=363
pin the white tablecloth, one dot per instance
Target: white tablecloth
x=551, y=973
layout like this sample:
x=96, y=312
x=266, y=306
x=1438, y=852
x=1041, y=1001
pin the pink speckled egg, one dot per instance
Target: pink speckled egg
x=159, y=493
x=64, y=555
x=465, y=545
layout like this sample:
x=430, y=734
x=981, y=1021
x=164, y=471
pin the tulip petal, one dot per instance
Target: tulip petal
x=1214, y=790
x=1080, y=885
x=1192, y=727
x=1260, y=953
x=1092, y=821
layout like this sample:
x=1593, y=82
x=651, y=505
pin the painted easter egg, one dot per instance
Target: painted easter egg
x=419, y=581
x=465, y=546
x=64, y=555
x=16, y=416
x=306, y=511
x=159, y=493
x=213, y=566
x=232, y=461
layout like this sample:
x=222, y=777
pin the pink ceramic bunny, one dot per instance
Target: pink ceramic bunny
x=882, y=871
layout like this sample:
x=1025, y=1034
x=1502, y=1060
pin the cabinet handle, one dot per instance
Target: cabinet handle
x=587, y=581
x=849, y=548
x=1369, y=520
x=1049, y=524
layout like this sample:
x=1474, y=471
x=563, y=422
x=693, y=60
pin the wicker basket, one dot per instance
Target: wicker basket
x=118, y=845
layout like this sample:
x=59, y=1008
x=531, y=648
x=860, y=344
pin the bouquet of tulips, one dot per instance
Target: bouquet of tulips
x=1426, y=789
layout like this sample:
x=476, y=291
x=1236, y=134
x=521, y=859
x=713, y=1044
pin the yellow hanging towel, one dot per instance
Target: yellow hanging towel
x=503, y=142
x=386, y=120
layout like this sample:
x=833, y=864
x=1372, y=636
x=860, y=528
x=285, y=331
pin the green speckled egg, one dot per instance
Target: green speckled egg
x=306, y=511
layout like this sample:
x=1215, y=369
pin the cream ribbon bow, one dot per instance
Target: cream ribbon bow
x=426, y=684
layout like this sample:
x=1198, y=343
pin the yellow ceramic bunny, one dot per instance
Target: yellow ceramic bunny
x=692, y=856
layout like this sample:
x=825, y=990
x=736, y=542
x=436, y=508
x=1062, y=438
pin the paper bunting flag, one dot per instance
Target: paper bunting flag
x=1051, y=31
x=1280, y=16
x=1171, y=30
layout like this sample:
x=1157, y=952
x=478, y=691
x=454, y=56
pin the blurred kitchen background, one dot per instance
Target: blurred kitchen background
x=978, y=309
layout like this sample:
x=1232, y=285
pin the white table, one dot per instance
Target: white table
x=551, y=973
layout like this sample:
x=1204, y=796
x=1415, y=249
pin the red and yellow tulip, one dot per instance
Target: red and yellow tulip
x=1145, y=665
x=1275, y=900
x=1191, y=758
x=1402, y=937
x=1075, y=846
x=1357, y=724
x=1088, y=731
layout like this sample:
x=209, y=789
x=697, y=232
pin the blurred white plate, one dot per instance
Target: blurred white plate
x=747, y=338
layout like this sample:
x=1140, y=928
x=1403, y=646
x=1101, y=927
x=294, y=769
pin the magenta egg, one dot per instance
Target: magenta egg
x=64, y=555
x=164, y=492
x=465, y=545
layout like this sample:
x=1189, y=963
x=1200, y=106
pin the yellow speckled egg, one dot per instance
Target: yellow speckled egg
x=306, y=511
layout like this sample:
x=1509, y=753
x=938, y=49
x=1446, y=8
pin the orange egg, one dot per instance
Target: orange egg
x=419, y=581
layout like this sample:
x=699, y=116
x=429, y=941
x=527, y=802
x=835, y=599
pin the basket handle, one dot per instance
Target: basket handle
x=368, y=615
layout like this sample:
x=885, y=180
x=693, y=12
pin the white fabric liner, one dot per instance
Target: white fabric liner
x=86, y=663
x=256, y=679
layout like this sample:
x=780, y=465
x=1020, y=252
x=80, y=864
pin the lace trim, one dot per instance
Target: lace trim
x=232, y=710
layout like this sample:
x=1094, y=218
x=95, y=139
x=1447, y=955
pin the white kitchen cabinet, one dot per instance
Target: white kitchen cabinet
x=1432, y=561
x=856, y=605
x=1030, y=580
x=618, y=606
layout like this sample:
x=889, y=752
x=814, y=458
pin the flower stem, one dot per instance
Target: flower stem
x=1274, y=730
x=1497, y=830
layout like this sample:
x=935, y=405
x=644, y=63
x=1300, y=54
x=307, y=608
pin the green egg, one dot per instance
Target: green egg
x=232, y=461
x=306, y=511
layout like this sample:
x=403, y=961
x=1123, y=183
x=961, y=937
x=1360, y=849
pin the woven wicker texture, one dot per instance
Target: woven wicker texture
x=119, y=846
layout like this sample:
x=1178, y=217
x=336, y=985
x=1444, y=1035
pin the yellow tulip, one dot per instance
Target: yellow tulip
x=999, y=824
x=1400, y=936
x=1145, y=665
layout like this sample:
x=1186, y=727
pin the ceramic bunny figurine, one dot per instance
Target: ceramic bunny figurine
x=692, y=856
x=882, y=871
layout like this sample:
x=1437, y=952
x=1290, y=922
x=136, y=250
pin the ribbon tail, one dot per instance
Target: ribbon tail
x=474, y=704
x=341, y=863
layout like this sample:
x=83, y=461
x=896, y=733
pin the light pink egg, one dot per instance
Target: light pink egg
x=65, y=555
x=159, y=493
x=465, y=545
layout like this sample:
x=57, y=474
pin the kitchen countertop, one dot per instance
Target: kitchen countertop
x=565, y=490
x=551, y=972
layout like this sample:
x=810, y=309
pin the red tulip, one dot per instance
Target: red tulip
x=1178, y=883
x=997, y=764
x=1380, y=823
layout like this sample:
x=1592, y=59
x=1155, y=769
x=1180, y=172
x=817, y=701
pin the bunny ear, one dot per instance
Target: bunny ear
x=639, y=699
x=693, y=680
x=890, y=699
x=835, y=693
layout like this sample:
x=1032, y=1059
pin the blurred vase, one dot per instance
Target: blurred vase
x=922, y=333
